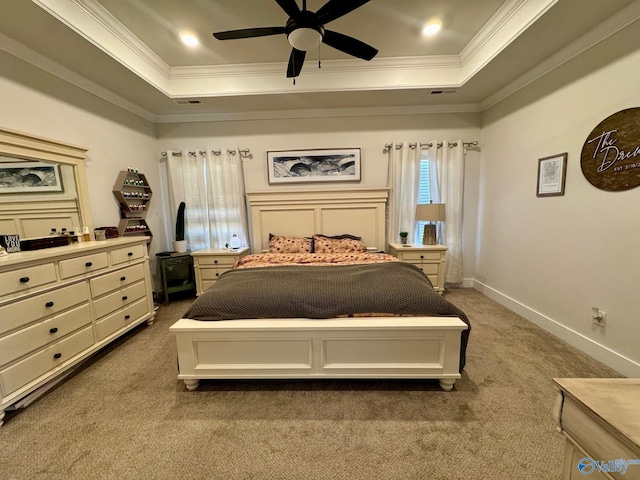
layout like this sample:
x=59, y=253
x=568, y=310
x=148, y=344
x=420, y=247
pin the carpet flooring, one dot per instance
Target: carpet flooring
x=124, y=415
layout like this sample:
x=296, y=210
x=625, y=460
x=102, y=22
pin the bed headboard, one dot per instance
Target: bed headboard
x=358, y=212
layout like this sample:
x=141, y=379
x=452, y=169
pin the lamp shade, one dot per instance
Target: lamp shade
x=431, y=212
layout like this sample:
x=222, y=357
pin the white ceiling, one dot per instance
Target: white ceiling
x=129, y=52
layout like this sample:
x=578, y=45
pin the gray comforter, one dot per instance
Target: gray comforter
x=324, y=292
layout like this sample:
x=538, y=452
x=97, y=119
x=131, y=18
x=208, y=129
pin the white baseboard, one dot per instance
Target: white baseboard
x=621, y=364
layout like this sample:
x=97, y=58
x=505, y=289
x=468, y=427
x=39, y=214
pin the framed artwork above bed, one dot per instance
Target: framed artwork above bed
x=319, y=165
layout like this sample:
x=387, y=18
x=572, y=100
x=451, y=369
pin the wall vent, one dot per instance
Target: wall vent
x=188, y=101
x=442, y=91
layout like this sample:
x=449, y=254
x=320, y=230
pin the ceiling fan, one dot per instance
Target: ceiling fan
x=305, y=31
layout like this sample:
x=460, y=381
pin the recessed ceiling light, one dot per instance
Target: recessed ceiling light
x=189, y=39
x=432, y=28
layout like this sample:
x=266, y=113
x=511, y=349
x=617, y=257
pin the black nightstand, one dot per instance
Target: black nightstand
x=176, y=270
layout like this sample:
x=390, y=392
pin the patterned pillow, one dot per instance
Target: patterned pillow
x=284, y=244
x=338, y=244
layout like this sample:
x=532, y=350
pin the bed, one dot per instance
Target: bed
x=324, y=313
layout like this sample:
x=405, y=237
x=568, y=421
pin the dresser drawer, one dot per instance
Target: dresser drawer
x=26, y=278
x=121, y=278
x=29, y=369
x=170, y=262
x=206, y=284
x=31, y=338
x=23, y=312
x=120, y=319
x=85, y=264
x=122, y=255
x=119, y=299
x=223, y=260
x=428, y=269
x=212, y=273
x=417, y=257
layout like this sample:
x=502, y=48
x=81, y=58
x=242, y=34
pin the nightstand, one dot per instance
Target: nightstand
x=431, y=259
x=210, y=263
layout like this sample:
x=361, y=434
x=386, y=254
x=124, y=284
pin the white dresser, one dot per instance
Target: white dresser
x=60, y=305
x=600, y=419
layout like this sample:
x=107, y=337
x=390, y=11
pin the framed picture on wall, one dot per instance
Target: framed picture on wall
x=29, y=177
x=552, y=172
x=321, y=165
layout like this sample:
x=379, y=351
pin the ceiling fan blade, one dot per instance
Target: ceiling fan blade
x=290, y=7
x=249, y=33
x=349, y=45
x=334, y=9
x=296, y=60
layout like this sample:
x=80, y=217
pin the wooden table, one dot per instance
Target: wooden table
x=600, y=418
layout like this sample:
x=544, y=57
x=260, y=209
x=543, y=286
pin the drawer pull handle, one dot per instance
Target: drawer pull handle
x=127, y=317
x=88, y=264
x=53, y=330
x=48, y=304
x=130, y=254
x=57, y=355
x=215, y=261
x=122, y=279
x=24, y=279
x=421, y=256
x=217, y=274
x=124, y=298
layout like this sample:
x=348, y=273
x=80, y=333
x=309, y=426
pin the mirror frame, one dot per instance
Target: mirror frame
x=31, y=147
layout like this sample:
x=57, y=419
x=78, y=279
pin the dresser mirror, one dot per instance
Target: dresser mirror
x=42, y=186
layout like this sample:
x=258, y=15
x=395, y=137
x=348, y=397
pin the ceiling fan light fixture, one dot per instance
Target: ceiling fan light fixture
x=305, y=38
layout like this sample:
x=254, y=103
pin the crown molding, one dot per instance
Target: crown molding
x=98, y=26
x=318, y=113
x=508, y=23
x=604, y=30
x=24, y=53
x=345, y=65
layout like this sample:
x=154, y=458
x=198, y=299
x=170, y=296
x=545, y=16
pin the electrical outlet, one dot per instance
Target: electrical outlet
x=598, y=316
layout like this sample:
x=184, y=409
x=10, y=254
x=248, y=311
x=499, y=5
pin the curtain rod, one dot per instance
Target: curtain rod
x=387, y=146
x=246, y=153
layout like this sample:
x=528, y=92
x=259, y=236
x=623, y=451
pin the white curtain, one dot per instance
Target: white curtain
x=211, y=183
x=446, y=165
x=403, y=180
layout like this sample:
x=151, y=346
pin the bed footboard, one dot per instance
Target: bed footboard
x=379, y=347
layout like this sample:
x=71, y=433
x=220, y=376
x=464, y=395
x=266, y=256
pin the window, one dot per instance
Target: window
x=424, y=195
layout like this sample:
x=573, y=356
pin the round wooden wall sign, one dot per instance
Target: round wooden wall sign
x=610, y=158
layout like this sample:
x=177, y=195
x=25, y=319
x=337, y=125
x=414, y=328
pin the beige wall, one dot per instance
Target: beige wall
x=367, y=133
x=552, y=259
x=40, y=104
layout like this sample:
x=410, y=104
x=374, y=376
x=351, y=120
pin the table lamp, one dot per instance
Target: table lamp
x=431, y=212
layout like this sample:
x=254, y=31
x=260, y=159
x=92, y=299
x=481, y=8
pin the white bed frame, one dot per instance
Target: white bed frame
x=301, y=348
